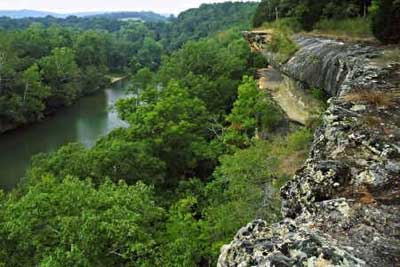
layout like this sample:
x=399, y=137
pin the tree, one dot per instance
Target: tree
x=211, y=69
x=174, y=124
x=91, y=49
x=33, y=43
x=73, y=223
x=386, y=22
x=141, y=80
x=35, y=93
x=185, y=237
x=60, y=72
x=149, y=55
x=131, y=161
x=251, y=111
x=243, y=189
x=267, y=10
x=93, y=78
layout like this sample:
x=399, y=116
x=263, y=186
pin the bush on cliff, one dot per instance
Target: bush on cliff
x=386, y=22
x=282, y=45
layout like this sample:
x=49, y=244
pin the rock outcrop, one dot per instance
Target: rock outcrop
x=298, y=105
x=343, y=207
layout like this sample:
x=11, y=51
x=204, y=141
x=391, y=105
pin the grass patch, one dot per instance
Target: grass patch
x=351, y=27
x=320, y=95
x=390, y=55
x=372, y=97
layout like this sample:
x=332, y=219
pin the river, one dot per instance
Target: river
x=85, y=121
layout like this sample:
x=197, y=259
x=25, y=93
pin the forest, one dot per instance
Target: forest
x=43, y=69
x=205, y=151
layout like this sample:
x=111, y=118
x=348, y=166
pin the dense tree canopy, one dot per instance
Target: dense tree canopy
x=43, y=68
x=308, y=12
x=73, y=223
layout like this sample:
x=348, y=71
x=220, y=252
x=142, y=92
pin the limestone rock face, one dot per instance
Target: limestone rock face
x=343, y=207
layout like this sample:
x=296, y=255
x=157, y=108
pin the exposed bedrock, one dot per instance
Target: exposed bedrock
x=343, y=207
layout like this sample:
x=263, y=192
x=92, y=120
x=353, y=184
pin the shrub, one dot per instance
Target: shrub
x=282, y=44
x=386, y=22
x=299, y=139
x=319, y=95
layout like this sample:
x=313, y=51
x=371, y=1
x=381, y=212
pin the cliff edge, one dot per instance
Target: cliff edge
x=343, y=207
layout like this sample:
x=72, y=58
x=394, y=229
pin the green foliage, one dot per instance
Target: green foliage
x=140, y=81
x=251, y=111
x=206, y=21
x=111, y=22
x=266, y=11
x=35, y=93
x=43, y=68
x=243, y=185
x=353, y=27
x=68, y=160
x=60, y=71
x=116, y=159
x=174, y=124
x=309, y=12
x=211, y=69
x=282, y=44
x=319, y=94
x=185, y=236
x=300, y=139
x=97, y=45
x=72, y=223
x=246, y=186
x=386, y=22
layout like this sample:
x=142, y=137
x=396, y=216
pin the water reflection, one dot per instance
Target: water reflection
x=83, y=122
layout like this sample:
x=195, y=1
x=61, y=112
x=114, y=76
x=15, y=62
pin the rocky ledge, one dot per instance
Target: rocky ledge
x=343, y=207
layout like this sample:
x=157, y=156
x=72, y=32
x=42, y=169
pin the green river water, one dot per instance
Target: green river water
x=85, y=121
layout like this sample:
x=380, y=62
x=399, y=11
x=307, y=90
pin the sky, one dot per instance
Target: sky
x=66, y=6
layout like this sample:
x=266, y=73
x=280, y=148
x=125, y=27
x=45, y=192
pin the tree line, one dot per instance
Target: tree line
x=385, y=14
x=42, y=69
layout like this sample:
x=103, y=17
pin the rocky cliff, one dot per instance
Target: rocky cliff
x=343, y=207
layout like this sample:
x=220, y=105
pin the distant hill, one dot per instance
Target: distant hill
x=208, y=19
x=145, y=16
x=25, y=13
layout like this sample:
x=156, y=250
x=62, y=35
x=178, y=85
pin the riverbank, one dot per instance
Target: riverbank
x=84, y=122
x=50, y=111
x=114, y=80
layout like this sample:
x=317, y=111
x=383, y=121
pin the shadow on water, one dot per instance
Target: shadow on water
x=84, y=122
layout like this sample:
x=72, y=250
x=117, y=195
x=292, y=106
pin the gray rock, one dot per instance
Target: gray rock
x=343, y=207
